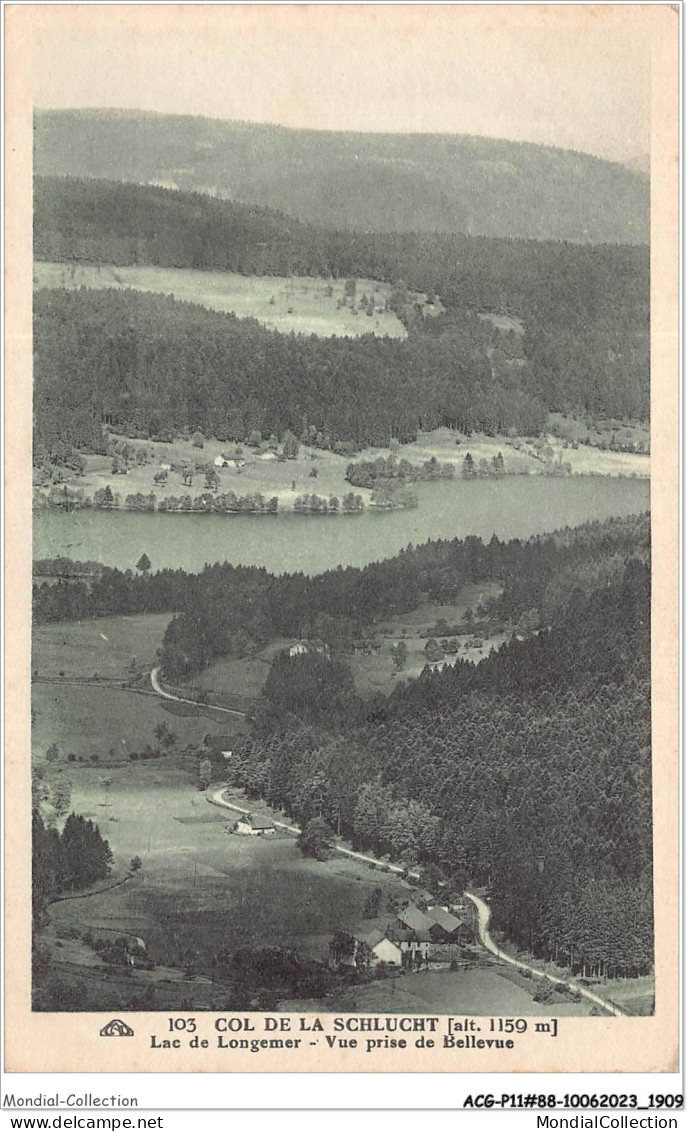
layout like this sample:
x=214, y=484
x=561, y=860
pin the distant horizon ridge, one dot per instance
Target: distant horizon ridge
x=632, y=163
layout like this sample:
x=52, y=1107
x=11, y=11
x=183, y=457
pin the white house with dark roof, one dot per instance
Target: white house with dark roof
x=308, y=647
x=254, y=824
x=382, y=949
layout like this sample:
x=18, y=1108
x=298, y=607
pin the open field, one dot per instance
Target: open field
x=107, y=646
x=297, y=304
x=376, y=671
x=286, y=480
x=478, y=991
x=204, y=889
x=240, y=677
x=92, y=720
x=451, y=447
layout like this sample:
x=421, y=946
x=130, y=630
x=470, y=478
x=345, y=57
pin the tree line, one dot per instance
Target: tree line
x=584, y=311
x=529, y=773
x=153, y=367
x=65, y=861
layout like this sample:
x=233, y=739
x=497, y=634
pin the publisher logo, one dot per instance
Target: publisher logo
x=116, y=1028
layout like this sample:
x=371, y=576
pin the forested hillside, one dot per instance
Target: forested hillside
x=554, y=283
x=152, y=365
x=377, y=182
x=529, y=773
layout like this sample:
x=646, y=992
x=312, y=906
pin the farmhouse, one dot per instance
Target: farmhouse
x=414, y=945
x=446, y=928
x=382, y=948
x=251, y=824
x=367, y=647
x=387, y=942
x=412, y=919
x=229, y=461
x=219, y=745
x=310, y=647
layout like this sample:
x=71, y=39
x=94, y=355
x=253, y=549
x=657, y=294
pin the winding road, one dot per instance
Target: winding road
x=159, y=690
x=483, y=917
x=483, y=910
x=217, y=798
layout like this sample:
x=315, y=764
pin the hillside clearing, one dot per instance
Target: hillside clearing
x=89, y=721
x=296, y=304
x=237, y=891
x=110, y=646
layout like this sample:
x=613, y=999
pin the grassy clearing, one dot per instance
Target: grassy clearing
x=86, y=721
x=268, y=478
x=593, y=460
x=371, y=672
x=449, y=446
x=240, y=677
x=504, y=322
x=107, y=646
x=478, y=992
x=376, y=671
x=202, y=888
x=297, y=304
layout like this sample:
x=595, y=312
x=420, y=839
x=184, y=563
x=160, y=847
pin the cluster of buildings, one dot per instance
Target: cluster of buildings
x=412, y=938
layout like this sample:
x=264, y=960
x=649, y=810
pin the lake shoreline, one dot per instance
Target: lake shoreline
x=281, y=512
x=512, y=507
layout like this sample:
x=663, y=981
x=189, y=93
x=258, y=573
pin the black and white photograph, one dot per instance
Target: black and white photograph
x=340, y=496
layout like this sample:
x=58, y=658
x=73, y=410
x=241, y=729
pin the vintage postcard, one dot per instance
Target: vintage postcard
x=341, y=538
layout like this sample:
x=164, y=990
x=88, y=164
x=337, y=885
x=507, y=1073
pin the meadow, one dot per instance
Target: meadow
x=294, y=304
x=107, y=725
x=110, y=646
x=202, y=889
x=286, y=479
x=376, y=671
x=238, y=892
x=97, y=721
x=478, y=991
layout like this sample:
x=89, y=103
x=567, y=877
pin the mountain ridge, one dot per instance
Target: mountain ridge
x=456, y=183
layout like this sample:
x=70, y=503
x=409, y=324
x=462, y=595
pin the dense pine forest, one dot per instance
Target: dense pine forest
x=529, y=773
x=156, y=367
x=65, y=861
x=153, y=366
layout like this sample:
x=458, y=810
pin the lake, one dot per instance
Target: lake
x=514, y=507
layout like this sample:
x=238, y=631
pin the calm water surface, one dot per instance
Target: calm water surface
x=515, y=507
